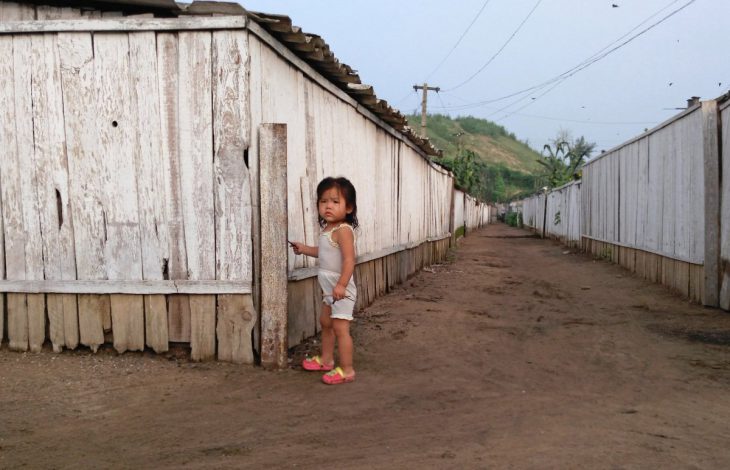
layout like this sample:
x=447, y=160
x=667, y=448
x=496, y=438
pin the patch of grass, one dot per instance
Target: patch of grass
x=514, y=219
x=460, y=231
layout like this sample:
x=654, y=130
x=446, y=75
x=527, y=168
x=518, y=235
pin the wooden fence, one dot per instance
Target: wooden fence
x=561, y=216
x=142, y=186
x=653, y=205
x=404, y=200
x=725, y=206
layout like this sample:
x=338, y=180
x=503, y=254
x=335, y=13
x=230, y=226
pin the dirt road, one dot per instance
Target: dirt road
x=516, y=354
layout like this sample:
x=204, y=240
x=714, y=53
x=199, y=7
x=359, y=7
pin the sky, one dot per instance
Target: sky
x=588, y=67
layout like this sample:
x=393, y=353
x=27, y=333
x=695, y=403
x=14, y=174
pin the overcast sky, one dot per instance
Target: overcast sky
x=396, y=44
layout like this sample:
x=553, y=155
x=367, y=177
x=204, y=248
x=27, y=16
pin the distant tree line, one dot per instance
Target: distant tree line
x=561, y=161
x=488, y=182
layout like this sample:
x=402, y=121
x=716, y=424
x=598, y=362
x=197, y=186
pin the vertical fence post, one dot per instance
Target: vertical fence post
x=544, y=212
x=711, y=152
x=452, y=213
x=274, y=224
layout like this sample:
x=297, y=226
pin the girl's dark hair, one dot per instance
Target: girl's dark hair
x=348, y=192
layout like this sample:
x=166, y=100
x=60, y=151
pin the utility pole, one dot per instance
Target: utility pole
x=424, y=100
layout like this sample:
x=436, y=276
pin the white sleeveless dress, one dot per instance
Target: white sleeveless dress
x=330, y=270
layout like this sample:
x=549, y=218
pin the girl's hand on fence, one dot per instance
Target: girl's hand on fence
x=339, y=292
x=298, y=247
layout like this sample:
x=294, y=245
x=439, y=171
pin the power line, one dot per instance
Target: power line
x=550, y=118
x=514, y=33
x=479, y=13
x=581, y=66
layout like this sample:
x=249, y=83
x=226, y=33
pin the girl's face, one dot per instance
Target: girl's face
x=332, y=206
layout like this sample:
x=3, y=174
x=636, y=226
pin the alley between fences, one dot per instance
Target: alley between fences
x=517, y=351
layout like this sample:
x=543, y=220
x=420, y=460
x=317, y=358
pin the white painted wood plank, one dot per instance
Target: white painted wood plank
x=85, y=173
x=168, y=85
x=680, y=192
x=231, y=176
x=35, y=323
x=642, y=193
x=654, y=226
x=696, y=182
x=3, y=84
x=197, y=23
x=196, y=175
x=669, y=153
x=118, y=140
x=232, y=190
x=52, y=179
x=12, y=201
x=146, y=287
x=255, y=85
x=725, y=210
x=196, y=153
x=150, y=174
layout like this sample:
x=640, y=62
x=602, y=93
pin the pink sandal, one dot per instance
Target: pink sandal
x=315, y=363
x=336, y=377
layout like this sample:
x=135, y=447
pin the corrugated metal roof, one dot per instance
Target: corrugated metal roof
x=316, y=52
x=309, y=47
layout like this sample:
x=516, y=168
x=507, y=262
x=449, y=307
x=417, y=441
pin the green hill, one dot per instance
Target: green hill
x=505, y=157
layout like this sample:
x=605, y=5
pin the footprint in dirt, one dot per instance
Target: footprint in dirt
x=400, y=334
x=494, y=290
x=482, y=313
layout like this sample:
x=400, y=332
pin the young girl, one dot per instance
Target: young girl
x=337, y=207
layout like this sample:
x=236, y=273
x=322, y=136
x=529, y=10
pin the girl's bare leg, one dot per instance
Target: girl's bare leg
x=344, y=344
x=328, y=335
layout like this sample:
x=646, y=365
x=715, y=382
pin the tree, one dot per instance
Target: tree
x=563, y=158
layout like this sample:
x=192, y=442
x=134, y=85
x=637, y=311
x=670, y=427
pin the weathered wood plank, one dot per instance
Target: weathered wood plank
x=272, y=170
x=196, y=176
x=126, y=287
x=52, y=179
x=725, y=209
x=17, y=322
x=118, y=140
x=232, y=190
x=198, y=23
x=255, y=116
x=10, y=209
x=48, y=12
x=128, y=322
x=168, y=84
x=236, y=315
x=202, y=327
x=150, y=182
x=155, y=318
x=30, y=235
x=85, y=167
x=711, y=163
x=14, y=11
x=236, y=318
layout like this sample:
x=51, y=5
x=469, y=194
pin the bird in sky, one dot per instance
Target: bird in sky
x=613, y=5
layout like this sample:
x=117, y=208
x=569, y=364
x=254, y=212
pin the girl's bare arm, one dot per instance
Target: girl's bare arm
x=302, y=249
x=346, y=240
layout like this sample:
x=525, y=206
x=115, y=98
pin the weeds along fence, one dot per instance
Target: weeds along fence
x=153, y=169
x=655, y=205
